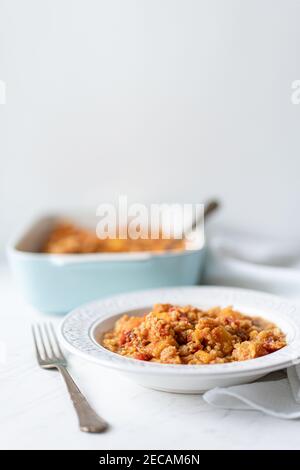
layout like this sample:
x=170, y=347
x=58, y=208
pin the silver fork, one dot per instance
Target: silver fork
x=50, y=356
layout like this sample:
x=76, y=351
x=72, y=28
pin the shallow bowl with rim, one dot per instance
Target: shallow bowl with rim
x=82, y=329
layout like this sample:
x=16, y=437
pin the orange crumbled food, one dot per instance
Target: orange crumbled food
x=69, y=238
x=187, y=335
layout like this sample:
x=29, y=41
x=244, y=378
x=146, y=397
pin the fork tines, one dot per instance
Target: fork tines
x=46, y=343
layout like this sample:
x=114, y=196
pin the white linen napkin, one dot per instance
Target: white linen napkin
x=242, y=260
x=239, y=259
x=275, y=395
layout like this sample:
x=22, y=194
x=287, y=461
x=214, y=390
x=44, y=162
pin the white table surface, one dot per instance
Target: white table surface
x=36, y=412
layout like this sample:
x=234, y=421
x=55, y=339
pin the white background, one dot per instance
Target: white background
x=163, y=100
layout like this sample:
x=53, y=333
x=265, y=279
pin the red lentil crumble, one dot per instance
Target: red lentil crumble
x=172, y=334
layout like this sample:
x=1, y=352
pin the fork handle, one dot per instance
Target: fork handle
x=89, y=421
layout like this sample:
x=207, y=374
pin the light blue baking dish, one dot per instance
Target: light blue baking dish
x=58, y=283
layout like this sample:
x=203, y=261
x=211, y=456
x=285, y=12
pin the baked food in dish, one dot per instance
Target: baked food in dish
x=67, y=238
x=171, y=334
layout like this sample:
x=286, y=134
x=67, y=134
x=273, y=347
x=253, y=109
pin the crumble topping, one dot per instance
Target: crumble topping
x=172, y=334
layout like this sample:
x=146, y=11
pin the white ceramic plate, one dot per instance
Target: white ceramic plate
x=83, y=325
